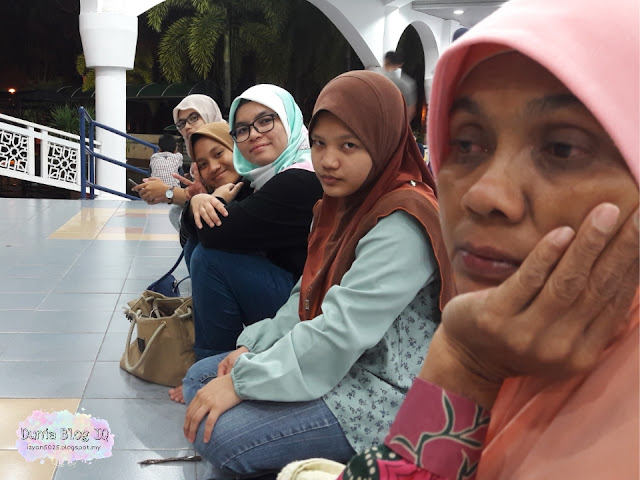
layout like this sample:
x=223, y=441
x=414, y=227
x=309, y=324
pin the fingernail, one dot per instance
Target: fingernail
x=562, y=236
x=605, y=218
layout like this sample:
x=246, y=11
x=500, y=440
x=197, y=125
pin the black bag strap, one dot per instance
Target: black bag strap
x=172, y=268
x=177, y=284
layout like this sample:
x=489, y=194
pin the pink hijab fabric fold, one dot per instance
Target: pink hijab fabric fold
x=580, y=427
x=592, y=49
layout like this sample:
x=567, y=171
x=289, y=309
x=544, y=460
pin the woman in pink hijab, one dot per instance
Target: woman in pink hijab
x=533, y=135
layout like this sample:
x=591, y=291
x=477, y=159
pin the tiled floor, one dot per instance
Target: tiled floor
x=67, y=268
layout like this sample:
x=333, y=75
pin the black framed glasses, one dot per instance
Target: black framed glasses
x=191, y=119
x=261, y=124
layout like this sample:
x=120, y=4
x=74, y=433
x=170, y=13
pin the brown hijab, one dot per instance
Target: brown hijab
x=374, y=109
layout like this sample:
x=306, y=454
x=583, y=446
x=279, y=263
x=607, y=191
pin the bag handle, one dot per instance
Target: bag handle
x=138, y=312
x=155, y=313
x=175, y=265
x=177, y=284
x=128, y=368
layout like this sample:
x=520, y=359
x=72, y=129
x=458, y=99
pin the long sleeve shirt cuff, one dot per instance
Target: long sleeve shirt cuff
x=439, y=431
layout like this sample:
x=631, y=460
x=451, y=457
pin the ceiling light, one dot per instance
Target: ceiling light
x=458, y=12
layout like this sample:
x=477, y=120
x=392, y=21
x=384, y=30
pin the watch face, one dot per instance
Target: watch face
x=169, y=193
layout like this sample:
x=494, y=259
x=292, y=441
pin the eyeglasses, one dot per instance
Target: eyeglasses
x=191, y=119
x=261, y=124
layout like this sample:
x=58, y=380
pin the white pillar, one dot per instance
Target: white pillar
x=109, y=32
x=109, y=44
x=111, y=110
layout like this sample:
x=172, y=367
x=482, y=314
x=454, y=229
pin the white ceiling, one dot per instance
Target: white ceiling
x=474, y=11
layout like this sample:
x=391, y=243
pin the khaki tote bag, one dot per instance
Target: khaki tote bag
x=163, y=350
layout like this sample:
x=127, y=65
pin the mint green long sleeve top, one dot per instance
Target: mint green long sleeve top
x=363, y=352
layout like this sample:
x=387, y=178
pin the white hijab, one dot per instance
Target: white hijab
x=206, y=107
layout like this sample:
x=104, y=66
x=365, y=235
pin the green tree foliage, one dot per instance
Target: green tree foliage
x=88, y=74
x=191, y=45
x=141, y=73
x=66, y=117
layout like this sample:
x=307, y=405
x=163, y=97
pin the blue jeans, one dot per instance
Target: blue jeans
x=231, y=290
x=256, y=438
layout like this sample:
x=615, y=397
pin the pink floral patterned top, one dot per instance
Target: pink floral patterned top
x=436, y=435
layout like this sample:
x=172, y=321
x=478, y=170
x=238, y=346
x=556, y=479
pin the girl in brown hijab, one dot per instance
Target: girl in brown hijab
x=398, y=180
x=331, y=368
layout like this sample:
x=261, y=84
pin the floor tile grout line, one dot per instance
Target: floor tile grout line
x=101, y=334
x=78, y=257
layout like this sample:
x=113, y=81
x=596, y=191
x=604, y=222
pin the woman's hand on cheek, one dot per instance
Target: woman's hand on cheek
x=553, y=317
x=211, y=401
x=206, y=208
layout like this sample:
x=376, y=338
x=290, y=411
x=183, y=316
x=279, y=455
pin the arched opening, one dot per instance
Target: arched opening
x=348, y=30
x=420, y=50
x=410, y=48
x=313, y=64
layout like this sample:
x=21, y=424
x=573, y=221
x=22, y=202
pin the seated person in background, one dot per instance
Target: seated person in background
x=166, y=161
x=534, y=140
x=326, y=375
x=189, y=115
x=246, y=253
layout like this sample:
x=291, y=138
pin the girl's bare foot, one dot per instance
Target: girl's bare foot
x=175, y=394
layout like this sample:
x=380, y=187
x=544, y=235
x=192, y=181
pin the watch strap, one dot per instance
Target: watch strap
x=170, y=197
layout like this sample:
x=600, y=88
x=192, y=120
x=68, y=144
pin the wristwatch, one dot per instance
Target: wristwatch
x=169, y=195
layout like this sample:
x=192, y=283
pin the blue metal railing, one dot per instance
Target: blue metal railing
x=88, y=156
